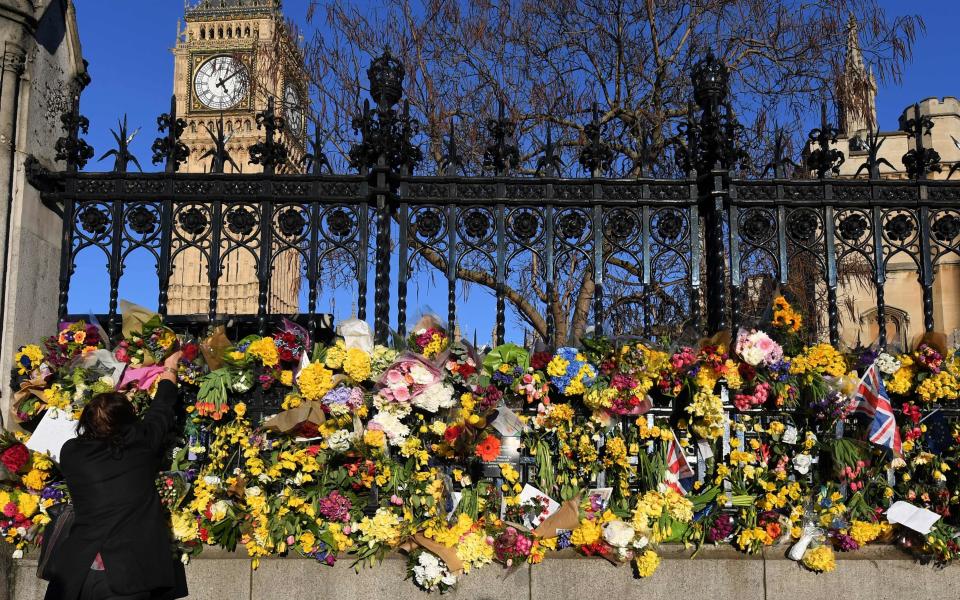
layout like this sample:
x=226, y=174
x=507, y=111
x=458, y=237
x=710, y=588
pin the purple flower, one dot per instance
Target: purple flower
x=845, y=543
x=721, y=529
x=52, y=492
x=336, y=507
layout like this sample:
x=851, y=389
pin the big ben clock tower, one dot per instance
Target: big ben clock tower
x=231, y=57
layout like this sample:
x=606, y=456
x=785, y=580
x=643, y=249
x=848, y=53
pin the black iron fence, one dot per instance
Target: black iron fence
x=641, y=256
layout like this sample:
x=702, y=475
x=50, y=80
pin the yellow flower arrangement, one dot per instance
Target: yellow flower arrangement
x=264, y=349
x=184, y=526
x=307, y=542
x=449, y=535
x=315, y=381
x=646, y=563
x=35, y=479
x=335, y=355
x=902, y=380
x=864, y=532
x=474, y=550
x=28, y=359
x=820, y=559
x=27, y=504
x=785, y=317
x=822, y=358
x=943, y=386
x=57, y=397
x=436, y=345
x=588, y=532
x=708, y=415
x=356, y=364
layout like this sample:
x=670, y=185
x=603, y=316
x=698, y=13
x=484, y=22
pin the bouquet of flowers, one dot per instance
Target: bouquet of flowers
x=428, y=338
x=570, y=373
x=507, y=367
x=429, y=572
x=412, y=382
x=73, y=340
x=148, y=345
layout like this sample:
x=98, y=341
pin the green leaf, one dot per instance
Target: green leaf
x=511, y=354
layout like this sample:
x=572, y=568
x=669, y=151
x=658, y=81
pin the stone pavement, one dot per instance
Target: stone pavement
x=876, y=573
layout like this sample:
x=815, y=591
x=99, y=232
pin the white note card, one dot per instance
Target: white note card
x=507, y=423
x=916, y=518
x=55, y=428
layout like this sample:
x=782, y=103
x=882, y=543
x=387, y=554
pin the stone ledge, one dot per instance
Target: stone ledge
x=719, y=573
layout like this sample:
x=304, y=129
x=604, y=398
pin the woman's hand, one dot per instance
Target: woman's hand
x=170, y=367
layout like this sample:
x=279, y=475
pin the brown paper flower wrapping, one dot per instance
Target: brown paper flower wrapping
x=34, y=387
x=133, y=317
x=566, y=517
x=214, y=346
x=935, y=339
x=720, y=338
x=446, y=554
x=294, y=418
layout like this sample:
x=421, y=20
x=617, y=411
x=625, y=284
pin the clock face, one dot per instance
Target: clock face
x=221, y=82
x=293, y=110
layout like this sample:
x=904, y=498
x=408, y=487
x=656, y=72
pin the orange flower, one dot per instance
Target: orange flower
x=489, y=448
x=773, y=530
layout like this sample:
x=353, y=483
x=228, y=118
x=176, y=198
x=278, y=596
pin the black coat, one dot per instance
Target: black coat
x=118, y=511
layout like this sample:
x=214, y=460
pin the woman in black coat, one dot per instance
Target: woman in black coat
x=119, y=547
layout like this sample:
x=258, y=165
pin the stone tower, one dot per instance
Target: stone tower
x=231, y=56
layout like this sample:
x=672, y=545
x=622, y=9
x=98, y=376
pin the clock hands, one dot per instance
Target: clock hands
x=223, y=80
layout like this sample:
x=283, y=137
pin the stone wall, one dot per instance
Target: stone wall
x=41, y=57
x=875, y=573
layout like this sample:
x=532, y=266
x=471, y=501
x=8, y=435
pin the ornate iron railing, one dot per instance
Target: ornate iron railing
x=688, y=252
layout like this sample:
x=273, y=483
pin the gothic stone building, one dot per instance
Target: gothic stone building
x=902, y=290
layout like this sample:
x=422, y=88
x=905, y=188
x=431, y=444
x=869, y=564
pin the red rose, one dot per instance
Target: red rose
x=14, y=457
x=540, y=360
x=452, y=433
x=190, y=352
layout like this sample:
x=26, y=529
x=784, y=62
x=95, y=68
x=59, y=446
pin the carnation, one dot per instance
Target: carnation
x=15, y=457
x=618, y=534
x=390, y=425
x=434, y=398
x=756, y=348
x=340, y=440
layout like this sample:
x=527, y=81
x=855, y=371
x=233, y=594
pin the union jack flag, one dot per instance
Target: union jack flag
x=677, y=466
x=871, y=400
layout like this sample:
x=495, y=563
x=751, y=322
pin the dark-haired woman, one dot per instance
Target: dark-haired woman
x=119, y=545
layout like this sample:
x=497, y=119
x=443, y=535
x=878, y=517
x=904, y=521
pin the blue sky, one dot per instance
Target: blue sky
x=128, y=42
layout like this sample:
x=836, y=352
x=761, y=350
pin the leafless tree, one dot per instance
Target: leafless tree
x=548, y=61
